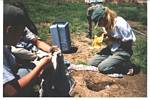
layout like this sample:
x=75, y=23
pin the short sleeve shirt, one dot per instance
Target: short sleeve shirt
x=26, y=40
x=123, y=31
x=28, y=35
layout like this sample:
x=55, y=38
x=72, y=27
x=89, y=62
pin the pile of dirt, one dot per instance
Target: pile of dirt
x=84, y=49
x=95, y=84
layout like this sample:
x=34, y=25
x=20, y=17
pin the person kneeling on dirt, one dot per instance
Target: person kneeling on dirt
x=13, y=84
x=115, y=58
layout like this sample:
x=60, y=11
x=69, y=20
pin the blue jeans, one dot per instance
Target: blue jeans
x=107, y=62
x=28, y=91
x=23, y=71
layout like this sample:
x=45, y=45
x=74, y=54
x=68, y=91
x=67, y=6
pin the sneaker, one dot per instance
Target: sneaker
x=134, y=69
x=130, y=72
x=116, y=75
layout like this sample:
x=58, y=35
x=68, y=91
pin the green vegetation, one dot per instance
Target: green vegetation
x=43, y=11
x=140, y=53
x=81, y=62
x=131, y=11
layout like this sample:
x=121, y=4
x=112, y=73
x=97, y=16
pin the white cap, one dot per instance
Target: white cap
x=94, y=1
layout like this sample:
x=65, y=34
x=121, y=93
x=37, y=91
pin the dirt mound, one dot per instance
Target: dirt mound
x=95, y=84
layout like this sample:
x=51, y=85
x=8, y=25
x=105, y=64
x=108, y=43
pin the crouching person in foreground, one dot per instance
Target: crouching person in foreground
x=14, y=24
x=54, y=79
x=115, y=58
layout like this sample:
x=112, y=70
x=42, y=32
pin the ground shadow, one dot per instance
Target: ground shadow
x=98, y=86
x=136, y=69
x=72, y=50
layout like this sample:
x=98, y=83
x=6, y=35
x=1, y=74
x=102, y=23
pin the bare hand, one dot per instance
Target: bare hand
x=43, y=61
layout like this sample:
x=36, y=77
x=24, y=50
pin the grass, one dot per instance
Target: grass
x=131, y=12
x=43, y=11
x=81, y=62
x=140, y=53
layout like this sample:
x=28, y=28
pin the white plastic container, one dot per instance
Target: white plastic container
x=61, y=35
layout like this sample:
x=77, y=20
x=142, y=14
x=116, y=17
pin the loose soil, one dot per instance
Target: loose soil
x=95, y=84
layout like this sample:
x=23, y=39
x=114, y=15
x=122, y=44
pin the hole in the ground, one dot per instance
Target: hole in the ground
x=98, y=86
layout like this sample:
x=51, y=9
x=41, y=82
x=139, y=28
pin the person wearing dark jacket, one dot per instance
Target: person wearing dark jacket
x=14, y=24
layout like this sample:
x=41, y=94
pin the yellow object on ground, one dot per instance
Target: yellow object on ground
x=98, y=40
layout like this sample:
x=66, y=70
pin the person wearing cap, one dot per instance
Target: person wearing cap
x=14, y=24
x=31, y=48
x=92, y=5
x=115, y=58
